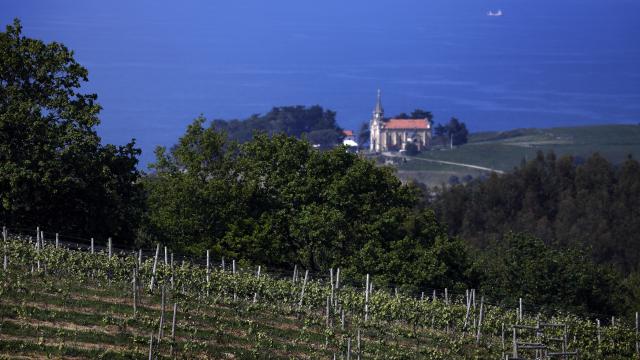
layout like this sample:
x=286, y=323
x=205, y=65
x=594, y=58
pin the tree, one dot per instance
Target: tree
x=422, y=114
x=454, y=132
x=315, y=123
x=411, y=149
x=457, y=131
x=275, y=200
x=522, y=266
x=593, y=205
x=54, y=172
x=193, y=192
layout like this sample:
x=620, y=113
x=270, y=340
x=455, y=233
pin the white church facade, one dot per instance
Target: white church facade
x=395, y=134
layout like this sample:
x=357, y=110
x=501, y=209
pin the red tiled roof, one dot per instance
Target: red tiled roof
x=407, y=124
x=347, y=132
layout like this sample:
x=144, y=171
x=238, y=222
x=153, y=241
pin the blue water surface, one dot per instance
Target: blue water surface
x=156, y=65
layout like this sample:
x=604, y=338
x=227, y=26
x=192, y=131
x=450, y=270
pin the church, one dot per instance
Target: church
x=395, y=134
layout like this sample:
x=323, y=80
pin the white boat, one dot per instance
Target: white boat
x=497, y=13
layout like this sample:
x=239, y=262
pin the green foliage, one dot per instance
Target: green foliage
x=521, y=266
x=54, y=172
x=316, y=124
x=454, y=132
x=217, y=314
x=416, y=114
x=276, y=201
x=411, y=149
x=593, y=205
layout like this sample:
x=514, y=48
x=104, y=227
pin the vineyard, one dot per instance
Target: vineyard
x=83, y=303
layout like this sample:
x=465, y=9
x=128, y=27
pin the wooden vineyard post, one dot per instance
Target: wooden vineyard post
x=446, y=303
x=139, y=258
x=135, y=290
x=153, y=270
x=466, y=317
x=598, y=330
x=5, y=257
x=327, y=311
x=637, y=342
x=358, y=343
x=520, y=309
x=171, y=265
x=161, y=327
x=331, y=285
x=295, y=272
x=366, y=299
x=515, y=344
x=342, y=319
x=502, y=341
x=166, y=256
x=336, y=285
x=57, y=241
x=480, y=319
x=473, y=303
x=222, y=265
x=109, y=244
x=433, y=297
x=208, y=273
x=173, y=327
x=348, y=348
x=255, y=294
x=5, y=261
x=304, y=284
x=151, y=347
x=38, y=251
x=92, y=247
x=233, y=271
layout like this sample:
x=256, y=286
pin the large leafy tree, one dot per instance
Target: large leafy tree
x=454, y=132
x=275, y=200
x=54, y=171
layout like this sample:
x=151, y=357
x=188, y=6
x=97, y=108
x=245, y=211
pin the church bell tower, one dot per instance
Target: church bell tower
x=376, y=125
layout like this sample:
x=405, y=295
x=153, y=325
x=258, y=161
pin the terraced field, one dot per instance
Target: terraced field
x=62, y=303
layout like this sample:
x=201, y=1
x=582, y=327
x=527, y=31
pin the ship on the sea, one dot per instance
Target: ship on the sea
x=497, y=13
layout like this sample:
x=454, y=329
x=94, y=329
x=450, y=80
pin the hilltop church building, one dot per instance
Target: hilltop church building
x=395, y=134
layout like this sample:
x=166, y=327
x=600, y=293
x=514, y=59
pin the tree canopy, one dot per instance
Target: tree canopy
x=592, y=205
x=522, y=266
x=277, y=201
x=54, y=171
x=314, y=123
x=454, y=132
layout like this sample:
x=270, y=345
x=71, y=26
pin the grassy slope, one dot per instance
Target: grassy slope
x=505, y=150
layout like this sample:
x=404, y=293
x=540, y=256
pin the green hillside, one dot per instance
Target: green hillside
x=62, y=303
x=504, y=150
